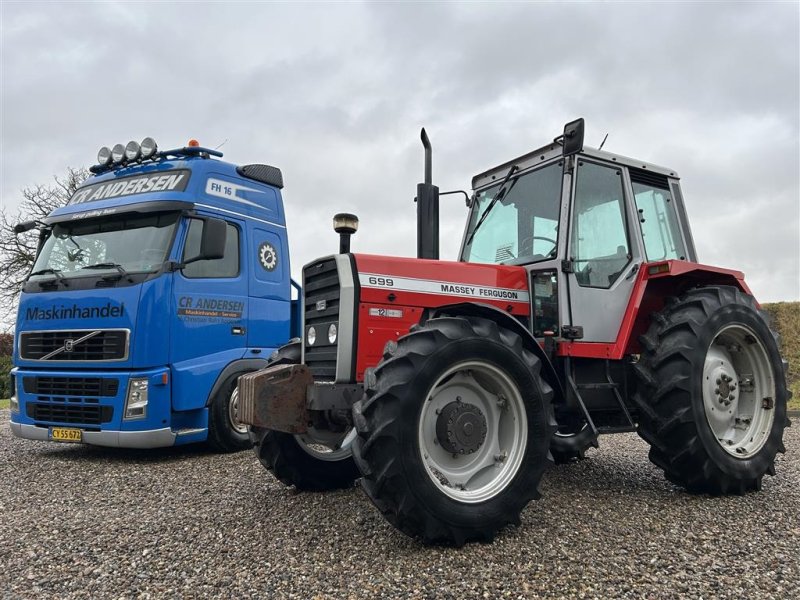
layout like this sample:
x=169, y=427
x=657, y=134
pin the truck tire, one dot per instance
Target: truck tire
x=453, y=430
x=300, y=460
x=571, y=441
x=225, y=433
x=712, y=392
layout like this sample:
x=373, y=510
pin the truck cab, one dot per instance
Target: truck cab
x=164, y=278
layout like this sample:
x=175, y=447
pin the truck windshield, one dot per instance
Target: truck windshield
x=124, y=243
x=523, y=226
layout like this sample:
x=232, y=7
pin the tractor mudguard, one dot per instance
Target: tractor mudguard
x=506, y=320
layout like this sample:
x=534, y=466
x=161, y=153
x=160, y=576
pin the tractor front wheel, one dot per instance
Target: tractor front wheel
x=316, y=461
x=453, y=430
x=712, y=392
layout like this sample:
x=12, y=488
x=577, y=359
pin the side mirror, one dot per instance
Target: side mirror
x=573, y=137
x=24, y=226
x=212, y=241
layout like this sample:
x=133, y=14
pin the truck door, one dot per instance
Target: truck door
x=210, y=300
x=603, y=254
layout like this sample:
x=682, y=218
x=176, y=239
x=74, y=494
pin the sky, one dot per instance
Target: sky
x=335, y=95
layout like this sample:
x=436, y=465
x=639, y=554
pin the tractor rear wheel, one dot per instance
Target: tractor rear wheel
x=453, y=430
x=712, y=392
x=315, y=461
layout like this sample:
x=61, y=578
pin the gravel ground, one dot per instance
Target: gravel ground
x=86, y=522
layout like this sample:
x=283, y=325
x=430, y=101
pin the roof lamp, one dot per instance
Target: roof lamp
x=193, y=144
x=118, y=154
x=104, y=156
x=132, y=151
x=149, y=147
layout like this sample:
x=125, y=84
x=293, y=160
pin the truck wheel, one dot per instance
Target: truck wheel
x=571, y=441
x=712, y=392
x=453, y=431
x=225, y=432
x=316, y=461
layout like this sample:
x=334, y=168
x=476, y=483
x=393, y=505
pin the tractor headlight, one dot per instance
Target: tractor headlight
x=104, y=156
x=311, y=335
x=149, y=147
x=332, y=333
x=118, y=154
x=136, y=401
x=132, y=151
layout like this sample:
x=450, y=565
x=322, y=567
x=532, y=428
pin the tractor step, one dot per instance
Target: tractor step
x=619, y=429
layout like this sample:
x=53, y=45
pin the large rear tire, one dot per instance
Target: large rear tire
x=316, y=461
x=453, y=430
x=712, y=392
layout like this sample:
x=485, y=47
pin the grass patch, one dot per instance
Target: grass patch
x=786, y=321
x=4, y=404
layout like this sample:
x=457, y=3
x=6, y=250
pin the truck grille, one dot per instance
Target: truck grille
x=70, y=412
x=74, y=345
x=94, y=387
x=321, y=306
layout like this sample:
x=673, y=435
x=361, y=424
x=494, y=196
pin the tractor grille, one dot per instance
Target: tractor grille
x=70, y=412
x=73, y=346
x=321, y=306
x=81, y=387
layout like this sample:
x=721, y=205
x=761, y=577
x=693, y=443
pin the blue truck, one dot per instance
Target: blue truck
x=164, y=278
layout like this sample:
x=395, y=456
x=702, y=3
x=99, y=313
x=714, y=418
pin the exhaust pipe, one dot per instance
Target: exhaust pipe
x=427, y=208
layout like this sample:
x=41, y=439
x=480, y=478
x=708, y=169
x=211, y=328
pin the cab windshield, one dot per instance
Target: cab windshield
x=522, y=227
x=125, y=243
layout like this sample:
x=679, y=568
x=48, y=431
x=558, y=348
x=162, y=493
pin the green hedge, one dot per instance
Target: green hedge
x=5, y=367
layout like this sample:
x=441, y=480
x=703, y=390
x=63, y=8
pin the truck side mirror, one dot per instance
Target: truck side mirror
x=212, y=241
x=24, y=226
x=573, y=137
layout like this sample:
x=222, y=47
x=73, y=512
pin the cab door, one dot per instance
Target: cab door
x=603, y=253
x=211, y=308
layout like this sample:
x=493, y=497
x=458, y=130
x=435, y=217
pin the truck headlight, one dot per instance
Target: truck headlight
x=136, y=401
x=14, y=401
x=311, y=335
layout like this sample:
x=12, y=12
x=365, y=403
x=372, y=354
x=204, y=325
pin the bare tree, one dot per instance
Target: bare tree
x=17, y=252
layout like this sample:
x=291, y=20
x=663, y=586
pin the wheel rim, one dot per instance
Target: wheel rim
x=739, y=391
x=483, y=473
x=233, y=413
x=327, y=445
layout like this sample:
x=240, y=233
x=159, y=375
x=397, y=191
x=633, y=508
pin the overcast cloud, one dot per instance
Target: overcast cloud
x=335, y=95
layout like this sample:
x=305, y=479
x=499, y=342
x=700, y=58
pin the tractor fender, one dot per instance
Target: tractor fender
x=243, y=365
x=475, y=309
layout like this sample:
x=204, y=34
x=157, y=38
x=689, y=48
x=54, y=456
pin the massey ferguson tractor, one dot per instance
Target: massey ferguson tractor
x=576, y=308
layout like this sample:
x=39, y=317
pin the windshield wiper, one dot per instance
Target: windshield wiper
x=56, y=272
x=111, y=265
x=498, y=196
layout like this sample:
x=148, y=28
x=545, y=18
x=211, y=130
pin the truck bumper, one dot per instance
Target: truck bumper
x=152, y=438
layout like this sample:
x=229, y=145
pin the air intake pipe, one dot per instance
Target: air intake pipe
x=427, y=209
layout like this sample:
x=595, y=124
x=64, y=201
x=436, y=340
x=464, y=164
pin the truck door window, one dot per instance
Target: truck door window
x=659, y=222
x=523, y=225
x=227, y=266
x=599, y=242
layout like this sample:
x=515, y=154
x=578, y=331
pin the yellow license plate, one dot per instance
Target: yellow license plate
x=65, y=434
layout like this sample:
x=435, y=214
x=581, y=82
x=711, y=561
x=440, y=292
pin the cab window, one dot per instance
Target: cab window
x=659, y=222
x=599, y=243
x=227, y=266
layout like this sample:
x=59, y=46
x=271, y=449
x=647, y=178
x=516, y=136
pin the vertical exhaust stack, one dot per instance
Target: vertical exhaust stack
x=427, y=209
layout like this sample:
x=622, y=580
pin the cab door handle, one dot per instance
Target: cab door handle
x=633, y=272
x=237, y=330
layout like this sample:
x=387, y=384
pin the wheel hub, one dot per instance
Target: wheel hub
x=461, y=428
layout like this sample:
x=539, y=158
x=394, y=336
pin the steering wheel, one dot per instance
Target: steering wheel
x=547, y=239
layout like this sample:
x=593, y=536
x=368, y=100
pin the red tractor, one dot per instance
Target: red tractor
x=577, y=308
